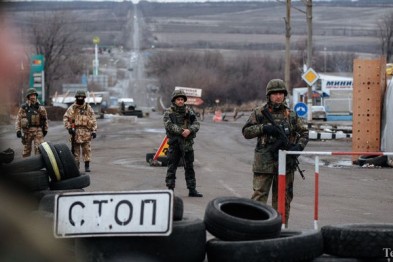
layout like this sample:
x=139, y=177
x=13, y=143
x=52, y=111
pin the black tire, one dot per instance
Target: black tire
x=52, y=161
x=7, y=156
x=40, y=194
x=178, y=208
x=289, y=246
x=187, y=242
x=67, y=159
x=27, y=164
x=149, y=157
x=78, y=182
x=163, y=160
x=47, y=202
x=365, y=241
x=373, y=160
x=237, y=219
x=31, y=181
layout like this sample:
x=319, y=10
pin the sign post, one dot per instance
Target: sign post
x=193, y=95
x=37, y=74
x=310, y=77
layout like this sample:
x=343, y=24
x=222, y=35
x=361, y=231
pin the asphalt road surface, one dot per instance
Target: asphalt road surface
x=223, y=160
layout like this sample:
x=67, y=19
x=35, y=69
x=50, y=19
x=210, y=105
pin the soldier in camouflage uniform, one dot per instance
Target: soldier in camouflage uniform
x=80, y=121
x=31, y=123
x=181, y=126
x=265, y=166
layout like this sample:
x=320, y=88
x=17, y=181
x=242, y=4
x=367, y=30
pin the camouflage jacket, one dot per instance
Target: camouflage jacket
x=265, y=160
x=82, y=118
x=176, y=120
x=31, y=116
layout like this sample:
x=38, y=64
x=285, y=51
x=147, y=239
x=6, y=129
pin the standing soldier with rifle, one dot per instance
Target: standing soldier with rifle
x=81, y=123
x=31, y=123
x=276, y=127
x=181, y=126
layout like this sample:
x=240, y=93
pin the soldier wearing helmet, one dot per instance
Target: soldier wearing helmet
x=181, y=126
x=31, y=123
x=276, y=127
x=81, y=123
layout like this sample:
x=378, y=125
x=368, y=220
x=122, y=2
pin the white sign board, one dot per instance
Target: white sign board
x=195, y=92
x=135, y=213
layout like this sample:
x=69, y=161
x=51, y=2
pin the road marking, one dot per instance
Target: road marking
x=229, y=188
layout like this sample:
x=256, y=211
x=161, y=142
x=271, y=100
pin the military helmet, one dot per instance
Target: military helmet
x=31, y=91
x=178, y=93
x=80, y=93
x=276, y=85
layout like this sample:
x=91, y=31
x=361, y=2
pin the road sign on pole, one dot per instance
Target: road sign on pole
x=300, y=109
x=310, y=76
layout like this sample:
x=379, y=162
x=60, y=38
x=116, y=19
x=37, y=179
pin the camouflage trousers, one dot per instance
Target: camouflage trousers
x=262, y=184
x=174, y=156
x=86, y=151
x=33, y=135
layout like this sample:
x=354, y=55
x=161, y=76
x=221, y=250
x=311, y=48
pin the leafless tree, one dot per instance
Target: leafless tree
x=386, y=35
x=54, y=37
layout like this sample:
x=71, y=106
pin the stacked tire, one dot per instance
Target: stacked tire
x=365, y=242
x=187, y=242
x=247, y=230
x=54, y=170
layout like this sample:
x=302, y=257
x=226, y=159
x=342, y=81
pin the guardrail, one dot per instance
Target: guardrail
x=282, y=179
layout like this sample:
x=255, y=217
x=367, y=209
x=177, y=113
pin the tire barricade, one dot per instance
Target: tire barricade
x=242, y=229
x=282, y=172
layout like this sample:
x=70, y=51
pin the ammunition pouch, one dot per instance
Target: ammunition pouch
x=24, y=123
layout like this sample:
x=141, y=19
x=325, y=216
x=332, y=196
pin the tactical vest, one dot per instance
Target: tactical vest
x=264, y=160
x=33, y=116
x=80, y=116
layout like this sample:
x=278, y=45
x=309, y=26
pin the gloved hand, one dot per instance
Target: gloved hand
x=270, y=130
x=71, y=131
x=94, y=135
x=295, y=147
x=19, y=134
x=45, y=132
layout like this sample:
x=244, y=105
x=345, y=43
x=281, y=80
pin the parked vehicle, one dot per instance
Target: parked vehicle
x=128, y=107
x=318, y=113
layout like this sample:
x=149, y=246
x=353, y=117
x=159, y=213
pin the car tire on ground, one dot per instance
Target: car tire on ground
x=78, y=182
x=373, y=160
x=32, y=163
x=178, y=208
x=31, y=181
x=149, y=157
x=52, y=161
x=237, y=219
x=364, y=241
x=67, y=159
x=187, y=242
x=47, y=201
x=289, y=246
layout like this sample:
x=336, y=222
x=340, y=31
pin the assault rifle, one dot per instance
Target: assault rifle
x=73, y=135
x=180, y=140
x=282, y=142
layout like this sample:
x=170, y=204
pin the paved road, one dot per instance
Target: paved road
x=348, y=194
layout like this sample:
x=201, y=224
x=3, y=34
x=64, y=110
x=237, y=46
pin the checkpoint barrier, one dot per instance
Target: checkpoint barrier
x=282, y=179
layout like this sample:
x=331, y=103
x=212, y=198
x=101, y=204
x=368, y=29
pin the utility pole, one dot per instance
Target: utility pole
x=287, y=72
x=308, y=4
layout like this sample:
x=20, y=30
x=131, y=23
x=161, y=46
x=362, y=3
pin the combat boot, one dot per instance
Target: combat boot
x=87, y=166
x=194, y=193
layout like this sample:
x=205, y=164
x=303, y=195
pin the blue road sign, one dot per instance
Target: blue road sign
x=300, y=109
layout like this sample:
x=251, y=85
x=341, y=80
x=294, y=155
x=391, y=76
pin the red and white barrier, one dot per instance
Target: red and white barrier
x=282, y=180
